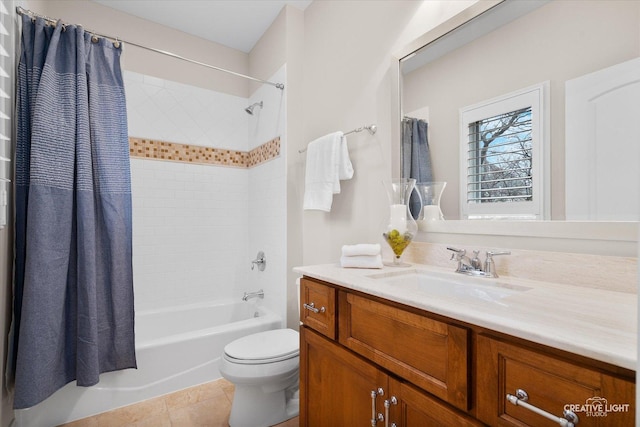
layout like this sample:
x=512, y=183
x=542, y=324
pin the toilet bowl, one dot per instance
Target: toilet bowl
x=264, y=368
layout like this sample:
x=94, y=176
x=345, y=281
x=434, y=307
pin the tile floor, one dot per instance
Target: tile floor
x=206, y=405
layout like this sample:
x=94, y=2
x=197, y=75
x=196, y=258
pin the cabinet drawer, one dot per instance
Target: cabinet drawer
x=318, y=307
x=428, y=353
x=551, y=384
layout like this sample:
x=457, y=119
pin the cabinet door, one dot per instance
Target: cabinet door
x=552, y=384
x=336, y=386
x=414, y=408
x=428, y=353
x=318, y=307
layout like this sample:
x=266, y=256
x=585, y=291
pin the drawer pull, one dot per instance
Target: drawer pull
x=520, y=399
x=387, y=404
x=312, y=307
x=379, y=417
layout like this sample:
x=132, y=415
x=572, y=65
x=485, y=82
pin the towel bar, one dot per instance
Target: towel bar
x=371, y=128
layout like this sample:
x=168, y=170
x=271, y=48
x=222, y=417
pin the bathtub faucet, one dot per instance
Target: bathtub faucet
x=257, y=294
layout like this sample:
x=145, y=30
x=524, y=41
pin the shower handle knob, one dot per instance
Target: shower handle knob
x=260, y=261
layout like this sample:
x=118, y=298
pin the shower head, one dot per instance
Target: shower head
x=250, y=108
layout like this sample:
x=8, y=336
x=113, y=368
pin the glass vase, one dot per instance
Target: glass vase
x=430, y=193
x=399, y=228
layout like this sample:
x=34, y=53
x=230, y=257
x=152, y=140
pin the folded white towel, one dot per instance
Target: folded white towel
x=361, y=249
x=363, y=261
x=327, y=163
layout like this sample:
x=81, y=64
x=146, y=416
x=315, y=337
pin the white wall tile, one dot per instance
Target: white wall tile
x=197, y=227
x=175, y=112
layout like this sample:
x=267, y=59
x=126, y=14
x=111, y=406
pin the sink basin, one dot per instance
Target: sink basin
x=450, y=285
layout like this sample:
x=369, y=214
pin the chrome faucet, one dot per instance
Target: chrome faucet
x=464, y=263
x=257, y=294
x=473, y=266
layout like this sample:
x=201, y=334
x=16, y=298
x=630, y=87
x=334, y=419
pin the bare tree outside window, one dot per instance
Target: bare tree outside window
x=499, y=158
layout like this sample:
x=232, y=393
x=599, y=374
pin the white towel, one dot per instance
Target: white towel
x=327, y=163
x=364, y=261
x=345, y=168
x=361, y=249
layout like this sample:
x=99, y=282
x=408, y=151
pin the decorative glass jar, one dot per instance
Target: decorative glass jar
x=399, y=228
x=430, y=193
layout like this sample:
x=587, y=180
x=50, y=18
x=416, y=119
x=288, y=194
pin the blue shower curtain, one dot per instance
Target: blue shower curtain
x=416, y=156
x=73, y=284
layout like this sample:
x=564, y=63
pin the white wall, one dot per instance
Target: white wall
x=104, y=20
x=348, y=81
x=266, y=204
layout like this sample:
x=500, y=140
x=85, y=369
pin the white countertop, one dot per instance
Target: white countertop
x=595, y=323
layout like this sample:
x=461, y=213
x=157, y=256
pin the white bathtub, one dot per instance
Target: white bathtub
x=176, y=348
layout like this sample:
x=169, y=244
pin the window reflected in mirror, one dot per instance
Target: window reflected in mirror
x=502, y=142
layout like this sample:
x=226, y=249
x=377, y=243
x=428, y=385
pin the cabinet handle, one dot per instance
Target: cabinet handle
x=379, y=417
x=520, y=399
x=387, y=404
x=312, y=307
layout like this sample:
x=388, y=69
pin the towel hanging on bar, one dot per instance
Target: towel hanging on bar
x=371, y=128
x=327, y=163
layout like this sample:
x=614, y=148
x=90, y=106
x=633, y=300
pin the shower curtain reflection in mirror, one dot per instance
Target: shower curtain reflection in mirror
x=73, y=299
x=416, y=157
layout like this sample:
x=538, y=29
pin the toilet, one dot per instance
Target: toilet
x=264, y=367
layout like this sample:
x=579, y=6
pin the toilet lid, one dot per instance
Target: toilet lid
x=277, y=344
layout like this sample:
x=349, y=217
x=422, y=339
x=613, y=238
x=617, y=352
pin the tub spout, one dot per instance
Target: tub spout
x=257, y=294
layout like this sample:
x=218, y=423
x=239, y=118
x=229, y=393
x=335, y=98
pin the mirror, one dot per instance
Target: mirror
x=517, y=44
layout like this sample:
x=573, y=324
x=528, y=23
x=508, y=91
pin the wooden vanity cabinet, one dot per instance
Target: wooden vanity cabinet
x=362, y=351
x=551, y=383
x=380, y=351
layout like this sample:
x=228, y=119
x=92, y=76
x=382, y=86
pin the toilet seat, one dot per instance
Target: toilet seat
x=264, y=347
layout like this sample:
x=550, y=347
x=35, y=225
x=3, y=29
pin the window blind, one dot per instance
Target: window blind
x=499, y=158
x=6, y=105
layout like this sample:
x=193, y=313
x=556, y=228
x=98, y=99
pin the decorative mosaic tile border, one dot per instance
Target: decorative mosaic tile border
x=187, y=153
x=265, y=152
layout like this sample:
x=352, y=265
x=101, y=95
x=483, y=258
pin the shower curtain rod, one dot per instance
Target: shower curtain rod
x=117, y=40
